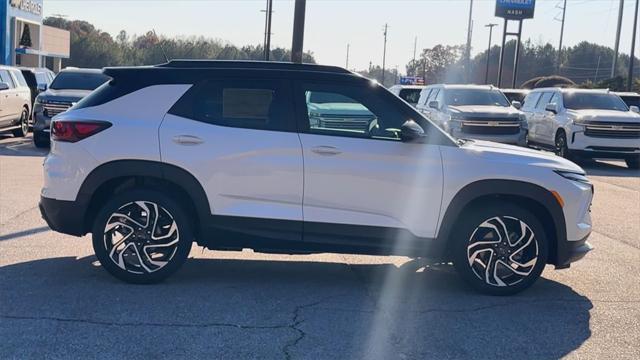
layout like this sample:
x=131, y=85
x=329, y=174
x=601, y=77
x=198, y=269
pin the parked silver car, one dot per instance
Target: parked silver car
x=474, y=112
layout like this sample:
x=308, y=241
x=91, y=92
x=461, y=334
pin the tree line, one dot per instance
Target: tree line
x=93, y=48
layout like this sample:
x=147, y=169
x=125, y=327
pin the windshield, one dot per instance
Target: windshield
x=78, y=81
x=410, y=95
x=462, y=97
x=594, y=101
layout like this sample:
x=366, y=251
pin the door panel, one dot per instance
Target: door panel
x=245, y=172
x=372, y=182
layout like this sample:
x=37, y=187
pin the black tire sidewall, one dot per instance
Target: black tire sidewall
x=24, y=118
x=565, y=149
x=40, y=140
x=633, y=163
x=184, y=228
x=470, y=220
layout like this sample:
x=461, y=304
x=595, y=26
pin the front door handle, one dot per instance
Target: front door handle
x=188, y=140
x=326, y=150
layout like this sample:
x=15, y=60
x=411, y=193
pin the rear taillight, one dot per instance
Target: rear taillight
x=74, y=131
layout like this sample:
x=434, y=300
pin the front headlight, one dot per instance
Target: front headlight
x=579, y=122
x=574, y=176
x=39, y=100
x=457, y=117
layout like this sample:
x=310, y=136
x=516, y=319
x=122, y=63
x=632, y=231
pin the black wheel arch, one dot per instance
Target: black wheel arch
x=531, y=196
x=109, y=177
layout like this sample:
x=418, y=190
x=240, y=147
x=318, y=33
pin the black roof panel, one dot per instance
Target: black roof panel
x=246, y=64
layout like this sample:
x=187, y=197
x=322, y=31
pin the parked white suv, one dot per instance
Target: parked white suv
x=474, y=112
x=584, y=123
x=15, y=101
x=224, y=154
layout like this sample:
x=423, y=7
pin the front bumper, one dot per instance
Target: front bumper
x=41, y=123
x=571, y=251
x=601, y=147
x=66, y=217
x=513, y=139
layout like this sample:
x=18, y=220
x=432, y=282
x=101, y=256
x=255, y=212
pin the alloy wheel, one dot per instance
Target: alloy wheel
x=24, y=122
x=502, y=251
x=141, y=237
x=561, y=145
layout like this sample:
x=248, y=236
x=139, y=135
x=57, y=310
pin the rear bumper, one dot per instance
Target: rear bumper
x=571, y=251
x=66, y=217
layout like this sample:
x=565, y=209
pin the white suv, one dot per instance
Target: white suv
x=223, y=154
x=584, y=123
x=15, y=101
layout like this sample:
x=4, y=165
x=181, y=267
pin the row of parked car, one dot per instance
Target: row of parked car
x=574, y=123
x=32, y=96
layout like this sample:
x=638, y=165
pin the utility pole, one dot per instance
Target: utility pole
x=486, y=73
x=415, y=47
x=384, y=52
x=347, y=63
x=564, y=12
x=469, y=34
x=633, y=49
x=298, y=31
x=617, y=45
x=267, y=30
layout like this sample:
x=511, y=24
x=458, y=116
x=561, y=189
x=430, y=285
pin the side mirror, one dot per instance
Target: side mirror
x=552, y=107
x=434, y=104
x=411, y=132
x=634, y=109
x=4, y=86
x=42, y=87
x=516, y=104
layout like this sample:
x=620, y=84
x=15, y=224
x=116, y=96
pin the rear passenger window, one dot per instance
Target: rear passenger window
x=258, y=104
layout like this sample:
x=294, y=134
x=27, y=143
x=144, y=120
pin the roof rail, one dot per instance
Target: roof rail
x=233, y=64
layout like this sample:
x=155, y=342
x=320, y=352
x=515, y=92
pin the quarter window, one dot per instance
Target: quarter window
x=20, y=78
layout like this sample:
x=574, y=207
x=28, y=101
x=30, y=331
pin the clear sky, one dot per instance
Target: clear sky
x=332, y=24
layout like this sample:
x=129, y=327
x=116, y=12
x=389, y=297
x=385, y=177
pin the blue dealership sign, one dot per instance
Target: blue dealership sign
x=515, y=9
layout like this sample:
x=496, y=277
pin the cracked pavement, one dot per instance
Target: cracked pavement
x=56, y=302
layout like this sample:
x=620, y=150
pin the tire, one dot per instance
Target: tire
x=24, y=125
x=40, y=141
x=561, y=148
x=633, y=163
x=130, y=260
x=480, y=239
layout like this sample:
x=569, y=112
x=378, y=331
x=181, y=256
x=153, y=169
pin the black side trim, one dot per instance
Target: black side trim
x=572, y=251
x=287, y=236
x=497, y=188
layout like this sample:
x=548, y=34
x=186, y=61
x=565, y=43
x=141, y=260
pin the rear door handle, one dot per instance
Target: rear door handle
x=326, y=150
x=188, y=140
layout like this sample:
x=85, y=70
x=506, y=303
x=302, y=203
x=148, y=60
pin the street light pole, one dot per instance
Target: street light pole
x=347, y=62
x=267, y=30
x=469, y=34
x=298, y=31
x=486, y=73
x=633, y=49
x=564, y=11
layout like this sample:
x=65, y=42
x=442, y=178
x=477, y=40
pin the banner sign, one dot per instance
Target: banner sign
x=411, y=80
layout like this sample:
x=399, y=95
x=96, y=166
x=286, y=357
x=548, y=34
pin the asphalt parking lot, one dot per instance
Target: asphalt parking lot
x=56, y=302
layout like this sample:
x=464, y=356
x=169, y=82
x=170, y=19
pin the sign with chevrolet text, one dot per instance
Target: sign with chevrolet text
x=515, y=9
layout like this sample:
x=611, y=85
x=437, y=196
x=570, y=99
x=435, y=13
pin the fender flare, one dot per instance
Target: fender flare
x=483, y=188
x=150, y=169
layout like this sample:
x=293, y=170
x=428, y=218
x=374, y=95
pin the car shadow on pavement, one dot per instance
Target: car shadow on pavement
x=219, y=308
x=609, y=168
x=12, y=146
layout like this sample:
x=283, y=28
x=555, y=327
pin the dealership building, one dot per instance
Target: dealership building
x=25, y=41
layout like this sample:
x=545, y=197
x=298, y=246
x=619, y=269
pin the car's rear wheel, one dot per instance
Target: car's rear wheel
x=499, y=249
x=633, y=163
x=23, y=130
x=40, y=139
x=142, y=236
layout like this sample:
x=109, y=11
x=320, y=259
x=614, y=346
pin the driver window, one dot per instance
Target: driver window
x=349, y=113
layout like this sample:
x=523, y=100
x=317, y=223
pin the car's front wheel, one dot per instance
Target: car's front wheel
x=40, y=139
x=142, y=236
x=499, y=248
